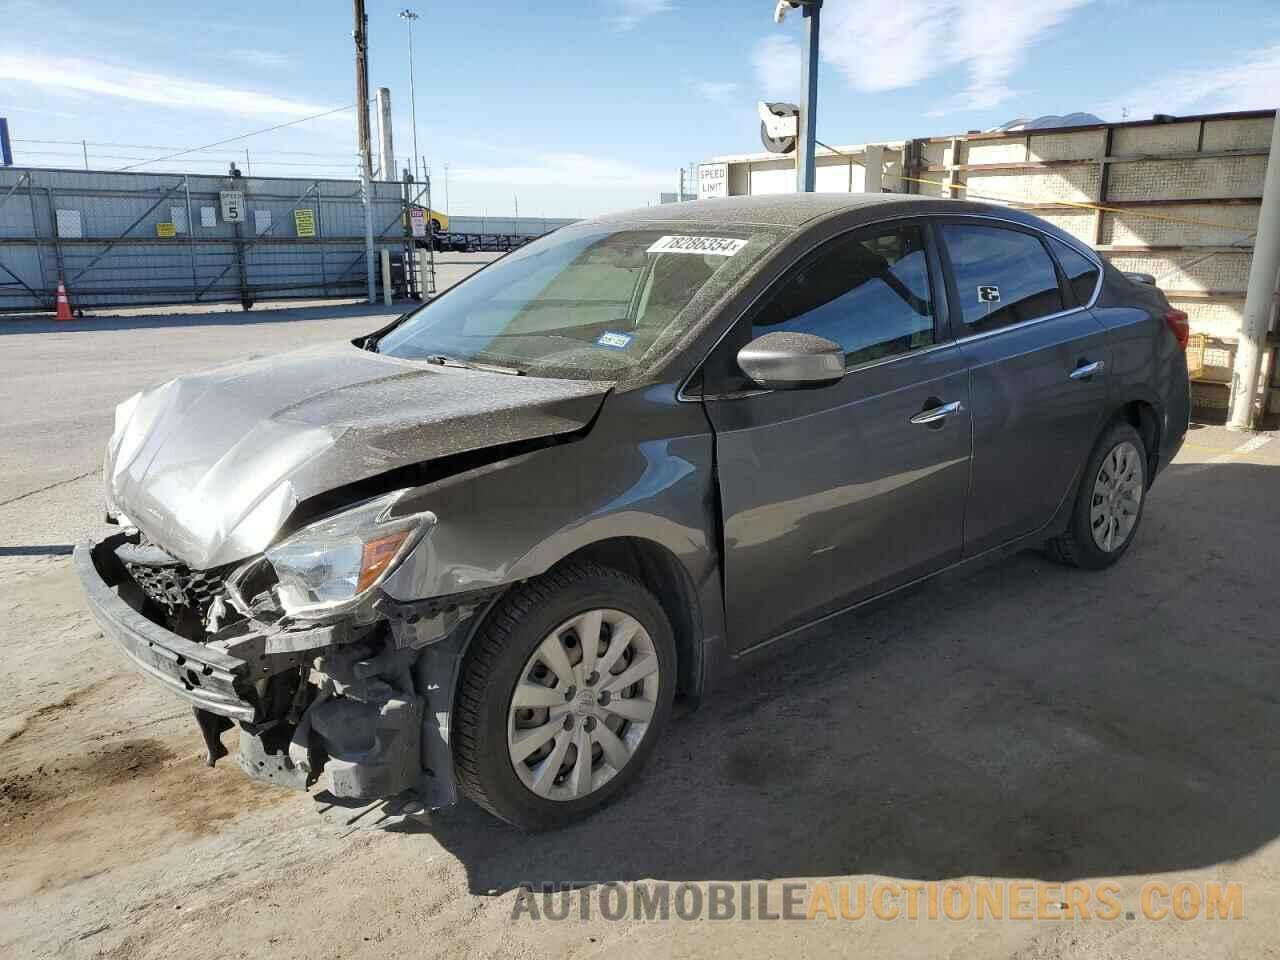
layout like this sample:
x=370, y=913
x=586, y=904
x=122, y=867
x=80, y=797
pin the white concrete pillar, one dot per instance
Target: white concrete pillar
x=1261, y=297
x=873, y=168
x=386, y=151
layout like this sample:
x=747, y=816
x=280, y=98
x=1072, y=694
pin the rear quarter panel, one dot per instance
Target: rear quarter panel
x=1148, y=363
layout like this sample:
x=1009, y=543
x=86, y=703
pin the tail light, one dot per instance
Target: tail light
x=1177, y=321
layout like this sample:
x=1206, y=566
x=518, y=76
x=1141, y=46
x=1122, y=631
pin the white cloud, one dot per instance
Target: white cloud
x=880, y=46
x=631, y=13
x=777, y=63
x=98, y=78
x=1250, y=82
x=254, y=57
x=60, y=114
x=716, y=91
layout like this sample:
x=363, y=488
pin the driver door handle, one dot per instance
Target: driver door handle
x=935, y=414
x=1087, y=370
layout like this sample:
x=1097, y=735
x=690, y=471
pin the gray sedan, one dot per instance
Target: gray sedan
x=485, y=548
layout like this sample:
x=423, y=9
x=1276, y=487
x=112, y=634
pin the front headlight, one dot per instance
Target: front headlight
x=331, y=565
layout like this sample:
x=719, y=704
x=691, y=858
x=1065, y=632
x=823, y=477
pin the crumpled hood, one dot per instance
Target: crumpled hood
x=211, y=465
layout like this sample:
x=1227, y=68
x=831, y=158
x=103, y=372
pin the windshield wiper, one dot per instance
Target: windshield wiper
x=441, y=360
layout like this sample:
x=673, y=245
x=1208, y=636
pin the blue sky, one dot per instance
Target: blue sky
x=577, y=108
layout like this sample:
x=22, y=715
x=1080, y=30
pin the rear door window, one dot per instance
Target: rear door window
x=868, y=292
x=1002, y=276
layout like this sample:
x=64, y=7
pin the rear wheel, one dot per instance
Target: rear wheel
x=565, y=690
x=1108, y=504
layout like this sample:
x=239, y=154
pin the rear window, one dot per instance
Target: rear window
x=586, y=302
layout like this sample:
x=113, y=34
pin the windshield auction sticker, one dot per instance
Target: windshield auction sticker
x=705, y=246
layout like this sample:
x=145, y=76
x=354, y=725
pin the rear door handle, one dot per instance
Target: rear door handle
x=1087, y=370
x=940, y=412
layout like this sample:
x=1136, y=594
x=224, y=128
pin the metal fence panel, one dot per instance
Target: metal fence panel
x=142, y=238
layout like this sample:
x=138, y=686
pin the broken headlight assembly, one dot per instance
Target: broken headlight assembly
x=331, y=566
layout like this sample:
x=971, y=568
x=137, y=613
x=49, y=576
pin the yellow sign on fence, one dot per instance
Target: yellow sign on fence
x=166, y=230
x=305, y=222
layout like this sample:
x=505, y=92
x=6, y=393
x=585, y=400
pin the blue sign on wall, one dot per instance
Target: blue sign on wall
x=6, y=154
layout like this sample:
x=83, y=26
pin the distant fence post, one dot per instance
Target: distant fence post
x=366, y=199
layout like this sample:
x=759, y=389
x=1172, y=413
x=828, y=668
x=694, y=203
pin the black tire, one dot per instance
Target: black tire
x=494, y=664
x=1076, y=546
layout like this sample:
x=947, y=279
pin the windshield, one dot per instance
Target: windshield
x=592, y=301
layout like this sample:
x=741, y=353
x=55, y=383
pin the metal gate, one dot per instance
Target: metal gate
x=134, y=239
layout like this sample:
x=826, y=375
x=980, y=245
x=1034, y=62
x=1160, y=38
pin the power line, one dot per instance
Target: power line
x=80, y=144
x=192, y=160
x=243, y=136
x=152, y=146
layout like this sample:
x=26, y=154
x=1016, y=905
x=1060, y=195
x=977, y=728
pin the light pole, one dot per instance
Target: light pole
x=805, y=135
x=408, y=16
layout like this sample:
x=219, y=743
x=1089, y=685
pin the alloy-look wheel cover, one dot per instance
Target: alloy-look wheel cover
x=1117, y=497
x=583, y=704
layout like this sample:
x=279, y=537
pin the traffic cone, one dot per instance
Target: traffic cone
x=64, y=305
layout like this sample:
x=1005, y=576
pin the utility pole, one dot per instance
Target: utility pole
x=408, y=16
x=361, y=37
x=807, y=133
x=85, y=147
x=1260, y=299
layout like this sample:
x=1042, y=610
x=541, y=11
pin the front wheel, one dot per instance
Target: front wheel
x=1109, y=503
x=565, y=690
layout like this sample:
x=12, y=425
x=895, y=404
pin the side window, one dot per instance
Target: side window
x=868, y=292
x=1002, y=276
x=1081, y=272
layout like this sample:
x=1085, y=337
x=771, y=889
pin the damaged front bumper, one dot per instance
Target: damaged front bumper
x=208, y=678
x=360, y=709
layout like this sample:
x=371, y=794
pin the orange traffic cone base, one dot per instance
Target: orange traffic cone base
x=64, y=305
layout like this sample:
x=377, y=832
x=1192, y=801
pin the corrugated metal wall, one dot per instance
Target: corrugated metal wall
x=1183, y=199
x=119, y=258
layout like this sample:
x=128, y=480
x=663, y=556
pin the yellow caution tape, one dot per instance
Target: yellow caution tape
x=1128, y=211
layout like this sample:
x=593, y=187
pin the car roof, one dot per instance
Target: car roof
x=775, y=210
x=792, y=211
x=797, y=209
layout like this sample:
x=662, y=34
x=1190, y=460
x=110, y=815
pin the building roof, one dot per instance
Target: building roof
x=840, y=152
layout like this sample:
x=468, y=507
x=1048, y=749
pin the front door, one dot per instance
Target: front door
x=1039, y=366
x=832, y=495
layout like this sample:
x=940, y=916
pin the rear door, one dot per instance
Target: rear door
x=834, y=494
x=1039, y=365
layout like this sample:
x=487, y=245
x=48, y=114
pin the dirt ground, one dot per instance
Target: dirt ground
x=1028, y=722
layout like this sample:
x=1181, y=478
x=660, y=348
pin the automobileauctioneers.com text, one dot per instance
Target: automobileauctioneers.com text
x=865, y=900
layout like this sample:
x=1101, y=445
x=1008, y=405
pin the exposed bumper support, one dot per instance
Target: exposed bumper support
x=204, y=677
x=375, y=722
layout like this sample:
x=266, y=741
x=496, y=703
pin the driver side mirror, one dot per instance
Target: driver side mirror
x=792, y=361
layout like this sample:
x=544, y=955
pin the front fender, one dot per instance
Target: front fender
x=517, y=518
